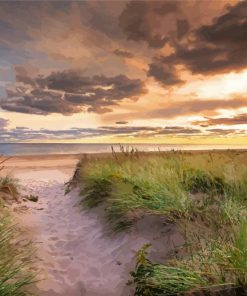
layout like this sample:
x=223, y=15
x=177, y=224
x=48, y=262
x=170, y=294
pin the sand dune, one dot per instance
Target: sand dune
x=76, y=255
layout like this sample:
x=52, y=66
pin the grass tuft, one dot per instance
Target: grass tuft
x=15, y=262
x=203, y=193
x=161, y=280
x=15, y=257
x=9, y=186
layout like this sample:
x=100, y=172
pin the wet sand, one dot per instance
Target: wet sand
x=76, y=255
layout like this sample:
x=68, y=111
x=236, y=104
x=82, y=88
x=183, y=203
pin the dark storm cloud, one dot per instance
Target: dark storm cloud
x=216, y=48
x=38, y=101
x=123, y=53
x=70, y=92
x=228, y=34
x=137, y=20
x=202, y=59
x=230, y=28
x=166, y=75
x=70, y=81
x=236, y=120
x=97, y=88
x=182, y=28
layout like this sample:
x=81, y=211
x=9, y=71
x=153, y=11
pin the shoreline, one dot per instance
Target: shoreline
x=44, y=159
x=72, y=156
x=20, y=150
x=16, y=165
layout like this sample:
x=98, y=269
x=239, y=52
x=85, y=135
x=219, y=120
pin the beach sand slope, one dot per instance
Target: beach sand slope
x=76, y=255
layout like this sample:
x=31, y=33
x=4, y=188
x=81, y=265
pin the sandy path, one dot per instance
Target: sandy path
x=75, y=255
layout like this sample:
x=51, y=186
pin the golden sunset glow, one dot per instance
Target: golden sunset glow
x=101, y=71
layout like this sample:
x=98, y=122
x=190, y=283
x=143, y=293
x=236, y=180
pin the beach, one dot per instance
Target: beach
x=123, y=148
x=76, y=254
x=36, y=162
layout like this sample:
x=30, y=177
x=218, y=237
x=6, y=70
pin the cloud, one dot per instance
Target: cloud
x=23, y=76
x=20, y=134
x=158, y=23
x=58, y=35
x=228, y=34
x=179, y=131
x=38, y=101
x=235, y=120
x=166, y=75
x=121, y=122
x=69, y=92
x=6, y=75
x=212, y=49
x=151, y=131
x=23, y=134
x=158, y=39
x=229, y=28
x=182, y=28
x=123, y=53
x=144, y=21
x=3, y=123
x=191, y=107
x=223, y=132
x=173, y=109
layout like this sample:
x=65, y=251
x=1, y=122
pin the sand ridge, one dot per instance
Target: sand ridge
x=75, y=254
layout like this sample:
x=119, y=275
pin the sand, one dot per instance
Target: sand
x=76, y=255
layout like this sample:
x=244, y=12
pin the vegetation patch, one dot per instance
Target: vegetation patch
x=159, y=279
x=9, y=189
x=15, y=256
x=15, y=272
x=203, y=193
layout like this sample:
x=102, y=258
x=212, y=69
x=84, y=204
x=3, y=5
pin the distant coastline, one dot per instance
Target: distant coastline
x=22, y=149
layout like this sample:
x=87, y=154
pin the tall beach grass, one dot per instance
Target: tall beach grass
x=203, y=193
x=15, y=256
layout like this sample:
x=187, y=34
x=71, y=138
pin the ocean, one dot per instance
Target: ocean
x=62, y=148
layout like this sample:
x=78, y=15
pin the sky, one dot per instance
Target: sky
x=123, y=71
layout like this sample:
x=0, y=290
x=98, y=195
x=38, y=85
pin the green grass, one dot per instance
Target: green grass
x=15, y=258
x=203, y=193
x=158, y=279
x=15, y=264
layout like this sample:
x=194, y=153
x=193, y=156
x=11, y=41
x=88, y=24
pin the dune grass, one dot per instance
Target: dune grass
x=15, y=257
x=9, y=187
x=15, y=273
x=204, y=193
